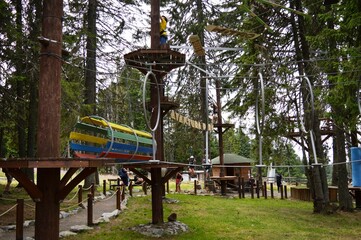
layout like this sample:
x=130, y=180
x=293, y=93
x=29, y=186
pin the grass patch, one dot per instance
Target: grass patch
x=211, y=217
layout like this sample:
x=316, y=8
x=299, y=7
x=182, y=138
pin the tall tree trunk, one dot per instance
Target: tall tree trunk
x=20, y=83
x=345, y=200
x=90, y=72
x=334, y=181
x=21, y=112
x=90, y=69
x=35, y=21
x=319, y=180
x=340, y=170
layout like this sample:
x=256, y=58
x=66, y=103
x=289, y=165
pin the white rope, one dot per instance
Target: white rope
x=73, y=206
x=75, y=195
x=106, y=199
x=29, y=205
x=242, y=166
x=8, y=210
x=8, y=199
x=87, y=189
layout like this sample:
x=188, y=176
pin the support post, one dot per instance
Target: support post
x=119, y=199
x=48, y=134
x=90, y=210
x=252, y=191
x=92, y=190
x=243, y=190
x=131, y=188
x=157, y=198
x=20, y=219
x=105, y=187
x=239, y=188
x=195, y=187
x=265, y=190
x=80, y=196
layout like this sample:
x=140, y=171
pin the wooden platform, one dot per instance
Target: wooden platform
x=55, y=162
x=303, y=193
x=164, y=59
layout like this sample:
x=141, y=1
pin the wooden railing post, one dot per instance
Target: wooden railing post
x=285, y=187
x=20, y=219
x=80, y=196
x=271, y=186
x=281, y=189
x=123, y=192
x=130, y=188
x=118, y=181
x=257, y=188
x=90, y=209
x=252, y=190
x=195, y=187
x=144, y=186
x=104, y=187
x=92, y=189
x=119, y=200
x=239, y=188
x=265, y=189
x=243, y=190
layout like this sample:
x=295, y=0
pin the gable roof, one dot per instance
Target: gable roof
x=231, y=158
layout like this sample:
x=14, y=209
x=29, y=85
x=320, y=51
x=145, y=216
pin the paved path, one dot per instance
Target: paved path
x=106, y=205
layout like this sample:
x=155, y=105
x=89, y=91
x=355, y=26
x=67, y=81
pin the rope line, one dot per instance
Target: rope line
x=254, y=166
x=8, y=199
x=73, y=206
x=29, y=205
x=11, y=208
x=106, y=199
x=87, y=189
x=75, y=195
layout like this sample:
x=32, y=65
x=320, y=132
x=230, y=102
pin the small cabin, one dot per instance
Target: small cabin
x=235, y=165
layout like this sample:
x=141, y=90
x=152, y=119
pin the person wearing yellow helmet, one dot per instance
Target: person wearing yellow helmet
x=163, y=33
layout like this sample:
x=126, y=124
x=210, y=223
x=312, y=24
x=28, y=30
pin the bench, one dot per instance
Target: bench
x=94, y=137
x=114, y=183
x=132, y=184
x=304, y=194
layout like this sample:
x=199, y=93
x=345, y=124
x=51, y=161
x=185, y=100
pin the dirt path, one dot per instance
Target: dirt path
x=106, y=205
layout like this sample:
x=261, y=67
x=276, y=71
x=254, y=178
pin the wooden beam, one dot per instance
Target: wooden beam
x=67, y=176
x=64, y=191
x=140, y=174
x=157, y=201
x=28, y=185
x=170, y=173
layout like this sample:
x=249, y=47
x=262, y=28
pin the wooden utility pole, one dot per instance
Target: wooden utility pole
x=48, y=138
x=157, y=189
x=160, y=62
x=221, y=129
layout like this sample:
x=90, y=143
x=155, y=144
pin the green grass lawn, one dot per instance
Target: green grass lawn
x=212, y=217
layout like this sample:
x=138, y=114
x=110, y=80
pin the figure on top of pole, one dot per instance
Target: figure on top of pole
x=163, y=32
